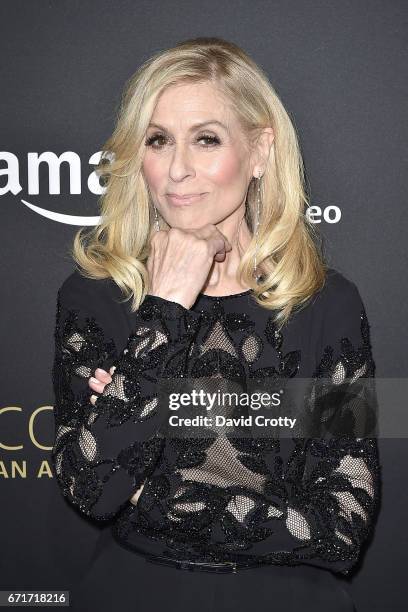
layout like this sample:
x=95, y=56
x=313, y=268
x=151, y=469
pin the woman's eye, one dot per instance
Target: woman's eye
x=151, y=142
x=213, y=139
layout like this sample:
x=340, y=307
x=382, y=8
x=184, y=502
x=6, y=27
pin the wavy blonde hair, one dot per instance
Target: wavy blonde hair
x=288, y=255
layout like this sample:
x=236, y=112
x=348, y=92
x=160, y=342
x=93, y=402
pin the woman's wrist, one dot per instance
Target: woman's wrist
x=170, y=297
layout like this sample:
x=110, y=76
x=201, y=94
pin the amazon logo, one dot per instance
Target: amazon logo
x=53, y=162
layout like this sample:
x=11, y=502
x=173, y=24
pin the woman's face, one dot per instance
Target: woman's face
x=182, y=158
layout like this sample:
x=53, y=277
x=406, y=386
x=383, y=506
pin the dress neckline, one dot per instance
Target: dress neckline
x=224, y=297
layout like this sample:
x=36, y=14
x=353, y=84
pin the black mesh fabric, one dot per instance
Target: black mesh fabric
x=213, y=497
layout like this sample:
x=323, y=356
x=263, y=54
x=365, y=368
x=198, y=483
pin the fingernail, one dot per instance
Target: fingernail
x=94, y=380
x=100, y=371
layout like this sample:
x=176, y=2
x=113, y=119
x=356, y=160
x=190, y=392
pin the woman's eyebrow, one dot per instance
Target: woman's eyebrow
x=196, y=126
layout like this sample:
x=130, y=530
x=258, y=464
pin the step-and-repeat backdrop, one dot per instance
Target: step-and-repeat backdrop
x=339, y=69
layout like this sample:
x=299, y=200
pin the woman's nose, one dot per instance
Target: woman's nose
x=181, y=163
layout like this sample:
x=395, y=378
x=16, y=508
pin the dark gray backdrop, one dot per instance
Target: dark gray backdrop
x=340, y=70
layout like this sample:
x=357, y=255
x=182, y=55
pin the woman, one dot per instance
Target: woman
x=204, y=226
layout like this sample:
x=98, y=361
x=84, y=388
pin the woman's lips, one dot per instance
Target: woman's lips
x=180, y=201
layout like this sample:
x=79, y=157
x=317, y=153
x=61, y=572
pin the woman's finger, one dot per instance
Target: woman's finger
x=136, y=495
x=103, y=375
x=96, y=385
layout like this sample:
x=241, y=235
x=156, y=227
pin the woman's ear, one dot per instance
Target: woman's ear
x=262, y=150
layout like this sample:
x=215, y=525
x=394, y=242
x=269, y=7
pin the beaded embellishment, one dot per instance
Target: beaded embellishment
x=215, y=498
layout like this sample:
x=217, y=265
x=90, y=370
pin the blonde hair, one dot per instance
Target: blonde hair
x=288, y=256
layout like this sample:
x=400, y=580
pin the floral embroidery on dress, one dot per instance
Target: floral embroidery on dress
x=214, y=497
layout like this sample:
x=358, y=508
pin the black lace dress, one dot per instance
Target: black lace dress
x=302, y=506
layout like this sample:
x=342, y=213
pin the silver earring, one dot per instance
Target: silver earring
x=256, y=226
x=157, y=219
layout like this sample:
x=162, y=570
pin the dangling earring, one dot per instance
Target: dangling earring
x=258, y=277
x=157, y=219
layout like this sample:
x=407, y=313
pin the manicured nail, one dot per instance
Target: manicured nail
x=94, y=380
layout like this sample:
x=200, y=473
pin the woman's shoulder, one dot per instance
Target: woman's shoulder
x=340, y=314
x=100, y=298
x=82, y=289
x=100, y=302
x=339, y=293
x=334, y=311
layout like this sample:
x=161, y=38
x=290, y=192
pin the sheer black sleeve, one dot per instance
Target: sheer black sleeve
x=331, y=484
x=103, y=452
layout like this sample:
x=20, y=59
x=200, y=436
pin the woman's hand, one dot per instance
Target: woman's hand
x=97, y=383
x=180, y=261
